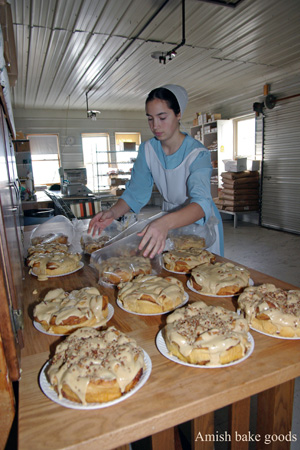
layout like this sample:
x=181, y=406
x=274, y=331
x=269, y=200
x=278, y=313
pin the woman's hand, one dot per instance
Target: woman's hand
x=100, y=221
x=105, y=218
x=154, y=238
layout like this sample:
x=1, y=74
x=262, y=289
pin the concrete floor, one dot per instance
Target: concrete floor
x=273, y=252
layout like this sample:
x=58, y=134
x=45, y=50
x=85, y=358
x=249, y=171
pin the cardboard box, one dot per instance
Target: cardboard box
x=215, y=117
x=205, y=117
x=128, y=146
x=235, y=165
x=118, y=181
x=253, y=165
x=22, y=145
x=20, y=135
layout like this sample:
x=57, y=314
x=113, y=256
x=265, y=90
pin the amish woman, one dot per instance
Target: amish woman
x=179, y=165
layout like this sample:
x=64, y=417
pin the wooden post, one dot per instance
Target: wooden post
x=274, y=417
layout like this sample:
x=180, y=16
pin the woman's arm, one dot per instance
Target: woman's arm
x=155, y=234
x=137, y=193
x=105, y=218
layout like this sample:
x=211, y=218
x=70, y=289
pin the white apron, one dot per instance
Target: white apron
x=169, y=182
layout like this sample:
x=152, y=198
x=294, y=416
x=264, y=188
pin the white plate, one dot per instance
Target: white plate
x=173, y=271
x=40, y=328
x=161, y=345
x=275, y=335
x=186, y=298
x=81, y=264
x=50, y=392
x=189, y=285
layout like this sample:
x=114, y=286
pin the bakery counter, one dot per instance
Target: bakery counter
x=41, y=200
x=173, y=394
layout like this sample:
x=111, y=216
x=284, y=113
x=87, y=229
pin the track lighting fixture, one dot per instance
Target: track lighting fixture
x=91, y=114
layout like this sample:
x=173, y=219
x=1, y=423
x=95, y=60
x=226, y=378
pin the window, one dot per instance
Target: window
x=102, y=163
x=97, y=160
x=126, y=145
x=244, y=137
x=45, y=158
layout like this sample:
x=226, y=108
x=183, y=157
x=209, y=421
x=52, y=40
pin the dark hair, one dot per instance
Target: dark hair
x=162, y=93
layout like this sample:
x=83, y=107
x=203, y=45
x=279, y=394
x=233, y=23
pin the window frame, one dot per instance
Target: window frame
x=235, y=121
x=110, y=163
x=33, y=156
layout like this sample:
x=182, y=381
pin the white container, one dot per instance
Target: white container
x=253, y=165
x=235, y=165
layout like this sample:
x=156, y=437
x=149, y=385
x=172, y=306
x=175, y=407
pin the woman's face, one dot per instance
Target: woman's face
x=162, y=120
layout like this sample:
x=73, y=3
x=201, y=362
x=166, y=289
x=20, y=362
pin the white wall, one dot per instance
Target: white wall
x=74, y=123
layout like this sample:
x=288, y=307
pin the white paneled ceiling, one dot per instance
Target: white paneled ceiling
x=66, y=48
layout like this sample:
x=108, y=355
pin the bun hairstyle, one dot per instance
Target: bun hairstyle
x=162, y=93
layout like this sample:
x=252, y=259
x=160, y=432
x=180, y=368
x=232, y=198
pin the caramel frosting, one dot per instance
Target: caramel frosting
x=59, y=305
x=90, y=245
x=88, y=355
x=47, y=248
x=53, y=263
x=166, y=293
x=190, y=258
x=129, y=265
x=187, y=241
x=271, y=304
x=212, y=328
x=213, y=277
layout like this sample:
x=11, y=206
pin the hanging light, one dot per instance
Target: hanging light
x=90, y=113
x=163, y=56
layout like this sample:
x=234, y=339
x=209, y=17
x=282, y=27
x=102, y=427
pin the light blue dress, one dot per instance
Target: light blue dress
x=181, y=178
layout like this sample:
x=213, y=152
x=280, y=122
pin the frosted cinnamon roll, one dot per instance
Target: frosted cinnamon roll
x=206, y=335
x=272, y=310
x=185, y=260
x=220, y=278
x=150, y=294
x=62, y=312
x=92, y=366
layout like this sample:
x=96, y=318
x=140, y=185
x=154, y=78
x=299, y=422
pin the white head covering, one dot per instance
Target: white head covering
x=180, y=94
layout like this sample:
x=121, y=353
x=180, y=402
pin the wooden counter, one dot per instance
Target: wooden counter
x=172, y=395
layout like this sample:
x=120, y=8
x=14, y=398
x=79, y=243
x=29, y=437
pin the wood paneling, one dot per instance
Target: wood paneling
x=6, y=399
